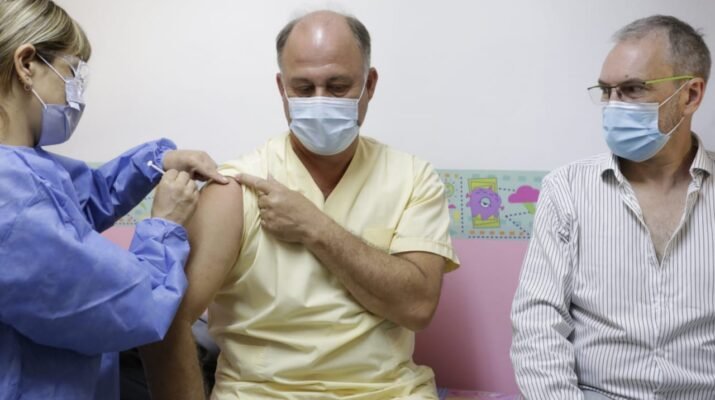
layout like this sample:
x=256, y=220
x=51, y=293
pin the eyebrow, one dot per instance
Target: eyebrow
x=340, y=79
x=333, y=80
x=631, y=80
x=299, y=81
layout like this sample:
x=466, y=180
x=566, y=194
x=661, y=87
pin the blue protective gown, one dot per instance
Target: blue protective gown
x=67, y=294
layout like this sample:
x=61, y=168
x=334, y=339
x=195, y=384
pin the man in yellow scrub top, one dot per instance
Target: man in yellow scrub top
x=321, y=264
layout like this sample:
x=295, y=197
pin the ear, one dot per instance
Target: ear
x=23, y=59
x=279, y=83
x=284, y=100
x=371, y=83
x=695, y=91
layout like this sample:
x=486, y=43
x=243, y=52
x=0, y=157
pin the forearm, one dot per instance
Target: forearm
x=544, y=364
x=171, y=366
x=389, y=286
x=402, y=288
x=543, y=357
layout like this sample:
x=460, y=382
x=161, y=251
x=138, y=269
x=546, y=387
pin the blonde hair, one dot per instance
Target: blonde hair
x=41, y=23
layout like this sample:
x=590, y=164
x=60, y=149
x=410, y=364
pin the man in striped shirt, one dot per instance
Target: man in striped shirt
x=617, y=293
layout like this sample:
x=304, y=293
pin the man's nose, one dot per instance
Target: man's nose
x=321, y=91
x=614, y=95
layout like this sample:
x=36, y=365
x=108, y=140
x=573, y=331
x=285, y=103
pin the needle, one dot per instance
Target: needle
x=155, y=167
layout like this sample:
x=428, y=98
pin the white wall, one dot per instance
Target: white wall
x=465, y=84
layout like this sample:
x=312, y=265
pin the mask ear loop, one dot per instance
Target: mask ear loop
x=675, y=127
x=52, y=68
x=44, y=105
x=674, y=93
x=667, y=100
x=364, y=86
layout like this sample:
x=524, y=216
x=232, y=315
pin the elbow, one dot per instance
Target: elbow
x=420, y=315
x=417, y=324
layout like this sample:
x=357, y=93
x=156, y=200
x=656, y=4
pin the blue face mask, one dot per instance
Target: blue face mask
x=324, y=125
x=60, y=120
x=631, y=129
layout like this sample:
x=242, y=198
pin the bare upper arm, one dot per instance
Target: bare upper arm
x=215, y=234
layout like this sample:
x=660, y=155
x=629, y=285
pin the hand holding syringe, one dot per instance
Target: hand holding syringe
x=176, y=196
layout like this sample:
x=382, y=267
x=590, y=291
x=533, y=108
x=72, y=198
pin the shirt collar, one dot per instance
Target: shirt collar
x=703, y=163
x=609, y=163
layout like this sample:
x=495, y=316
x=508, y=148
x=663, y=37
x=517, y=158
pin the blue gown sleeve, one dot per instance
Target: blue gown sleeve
x=109, y=192
x=64, y=285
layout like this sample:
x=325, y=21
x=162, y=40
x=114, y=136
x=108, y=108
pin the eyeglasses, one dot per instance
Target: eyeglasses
x=631, y=91
x=79, y=68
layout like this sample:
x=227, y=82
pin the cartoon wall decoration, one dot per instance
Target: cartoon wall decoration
x=492, y=204
x=482, y=204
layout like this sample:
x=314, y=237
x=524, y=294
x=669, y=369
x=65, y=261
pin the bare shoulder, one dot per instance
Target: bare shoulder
x=222, y=197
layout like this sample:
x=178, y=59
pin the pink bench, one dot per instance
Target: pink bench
x=468, y=342
x=449, y=394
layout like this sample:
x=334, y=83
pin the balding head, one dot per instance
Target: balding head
x=324, y=28
x=325, y=54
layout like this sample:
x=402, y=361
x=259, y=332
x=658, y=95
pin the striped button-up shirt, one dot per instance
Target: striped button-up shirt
x=596, y=310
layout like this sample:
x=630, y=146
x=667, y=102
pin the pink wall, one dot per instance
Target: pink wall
x=121, y=235
x=468, y=341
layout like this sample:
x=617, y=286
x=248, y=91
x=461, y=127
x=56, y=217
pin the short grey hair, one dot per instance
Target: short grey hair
x=688, y=52
x=358, y=29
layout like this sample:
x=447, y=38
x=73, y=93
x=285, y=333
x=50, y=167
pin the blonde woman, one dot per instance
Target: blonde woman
x=69, y=298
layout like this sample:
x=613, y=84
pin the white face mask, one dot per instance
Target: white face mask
x=324, y=125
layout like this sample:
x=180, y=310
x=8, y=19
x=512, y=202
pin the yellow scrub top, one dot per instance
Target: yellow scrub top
x=286, y=326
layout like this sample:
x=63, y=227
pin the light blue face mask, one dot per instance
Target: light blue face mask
x=324, y=125
x=631, y=129
x=60, y=120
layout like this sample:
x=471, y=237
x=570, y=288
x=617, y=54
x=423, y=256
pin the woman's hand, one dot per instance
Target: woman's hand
x=197, y=164
x=176, y=197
